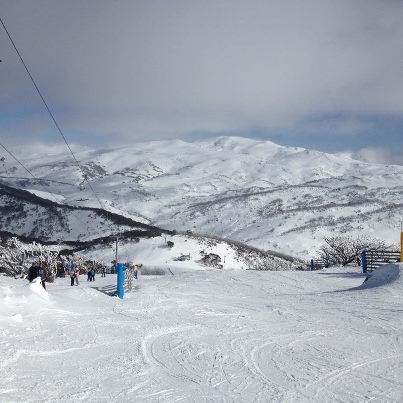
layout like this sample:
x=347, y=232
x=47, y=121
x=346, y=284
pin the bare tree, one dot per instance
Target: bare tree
x=345, y=249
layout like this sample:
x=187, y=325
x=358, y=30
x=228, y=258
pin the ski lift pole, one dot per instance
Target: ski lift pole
x=120, y=272
x=116, y=252
x=120, y=268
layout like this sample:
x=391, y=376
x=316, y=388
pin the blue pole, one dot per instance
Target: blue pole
x=364, y=261
x=120, y=269
x=312, y=265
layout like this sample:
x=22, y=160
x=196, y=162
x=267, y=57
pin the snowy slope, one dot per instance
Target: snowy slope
x=153, y=253
x=272, y=197
x=202, y=335
x=25, y=213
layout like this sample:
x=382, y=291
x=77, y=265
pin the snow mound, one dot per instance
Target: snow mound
x=384, y=275
x=37, y=289
x=18, y=301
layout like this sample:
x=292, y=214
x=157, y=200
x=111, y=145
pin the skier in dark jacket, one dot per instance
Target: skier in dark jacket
x=42, y=271
x=72, y=273
x=32, y=272
x=37, y=270
x=92, y=274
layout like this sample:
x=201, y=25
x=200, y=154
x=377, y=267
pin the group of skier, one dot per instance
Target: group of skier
x=74, y=273
x=39, y=269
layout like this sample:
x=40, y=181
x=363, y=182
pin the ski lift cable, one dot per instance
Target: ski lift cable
x=49, y=111
x=17, y=160
x=36, y=178
x=52, y=117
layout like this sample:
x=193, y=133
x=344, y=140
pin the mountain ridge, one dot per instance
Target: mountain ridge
x=266, y=195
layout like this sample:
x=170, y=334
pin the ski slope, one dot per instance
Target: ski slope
x=206, y=335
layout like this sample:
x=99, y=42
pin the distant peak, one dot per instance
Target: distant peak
x=237, y=143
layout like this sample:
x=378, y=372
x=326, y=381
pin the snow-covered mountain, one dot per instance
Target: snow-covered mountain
x=258, y=192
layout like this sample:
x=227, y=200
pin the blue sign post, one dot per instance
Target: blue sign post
x=364, y=261
x=120, y=269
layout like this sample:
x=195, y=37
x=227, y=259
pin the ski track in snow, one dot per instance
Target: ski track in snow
x=208, y=336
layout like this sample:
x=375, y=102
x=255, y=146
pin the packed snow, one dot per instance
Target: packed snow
x=206, y=335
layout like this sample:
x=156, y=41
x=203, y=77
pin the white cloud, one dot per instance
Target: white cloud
x=141, y=69
x=378, y=155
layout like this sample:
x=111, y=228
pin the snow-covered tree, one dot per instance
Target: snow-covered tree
x=345, y=249
x=16, y=258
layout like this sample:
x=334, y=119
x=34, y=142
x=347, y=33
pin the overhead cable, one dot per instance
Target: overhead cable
x=39, y=180
x=16, y=159
x=50, y=113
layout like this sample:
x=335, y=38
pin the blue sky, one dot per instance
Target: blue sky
x=316, y=74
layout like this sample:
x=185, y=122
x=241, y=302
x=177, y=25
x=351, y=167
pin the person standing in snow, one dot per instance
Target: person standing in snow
x=37, y=270
x=42, y=271
x=103, y=271
x=71, y=268
x=91, y=274
x=136, y=270
x=72, y=275
x=77, y=275
x=32, y=272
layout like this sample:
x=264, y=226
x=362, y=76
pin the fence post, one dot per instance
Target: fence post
x=120, y=268
x=364, y=261
x=312, y=265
